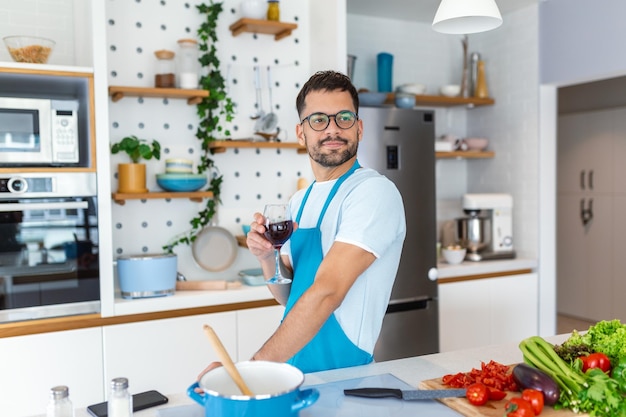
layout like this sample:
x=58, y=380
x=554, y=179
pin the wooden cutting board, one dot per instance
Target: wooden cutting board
x=492, y=408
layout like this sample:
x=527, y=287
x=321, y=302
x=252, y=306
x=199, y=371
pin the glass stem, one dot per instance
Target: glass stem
x=277, y=257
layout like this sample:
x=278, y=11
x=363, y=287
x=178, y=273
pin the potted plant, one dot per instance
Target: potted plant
x=132, y=176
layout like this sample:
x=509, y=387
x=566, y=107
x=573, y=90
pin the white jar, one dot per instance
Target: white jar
x=120, y=403
x=188, y=64
x=60, y=404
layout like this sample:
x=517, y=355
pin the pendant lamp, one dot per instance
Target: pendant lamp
x=461, y=17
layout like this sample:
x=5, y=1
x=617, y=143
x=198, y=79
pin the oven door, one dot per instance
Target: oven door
x=48, y=258
x=25, y=131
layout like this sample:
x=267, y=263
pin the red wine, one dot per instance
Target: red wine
x=279, y=233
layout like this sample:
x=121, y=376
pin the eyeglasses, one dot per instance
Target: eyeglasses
x=345, y=119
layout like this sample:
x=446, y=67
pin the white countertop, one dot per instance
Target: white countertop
x=484, y=267
x=410, y=370
x=191, y=299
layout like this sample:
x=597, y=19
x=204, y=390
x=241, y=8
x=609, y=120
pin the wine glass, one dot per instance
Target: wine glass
x=278, y=229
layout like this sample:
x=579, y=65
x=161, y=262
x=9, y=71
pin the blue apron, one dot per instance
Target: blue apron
x=330, y=348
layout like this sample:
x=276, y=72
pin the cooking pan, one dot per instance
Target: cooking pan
x=214, y=248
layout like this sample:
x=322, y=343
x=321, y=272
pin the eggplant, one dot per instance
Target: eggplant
x=525, y=376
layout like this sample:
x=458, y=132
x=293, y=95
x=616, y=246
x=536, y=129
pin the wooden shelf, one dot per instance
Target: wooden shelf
x=465, y=155
x=220, y=146
x=197, y=196
x=192, y=96
x=444, y=101
x=278, y=29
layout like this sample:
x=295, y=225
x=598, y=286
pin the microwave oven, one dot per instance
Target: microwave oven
x=38, y=132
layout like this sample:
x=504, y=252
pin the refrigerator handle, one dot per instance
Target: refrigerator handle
x=407, y=304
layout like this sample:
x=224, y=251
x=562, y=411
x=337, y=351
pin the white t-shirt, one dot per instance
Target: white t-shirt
x=368, y=212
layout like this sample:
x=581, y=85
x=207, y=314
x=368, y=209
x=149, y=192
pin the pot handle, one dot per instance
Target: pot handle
x=305, y=399
x=191, y=392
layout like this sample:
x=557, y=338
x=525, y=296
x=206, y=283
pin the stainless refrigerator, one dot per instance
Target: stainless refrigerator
x=399, y=143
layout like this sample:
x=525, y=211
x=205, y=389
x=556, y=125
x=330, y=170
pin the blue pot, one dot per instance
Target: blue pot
x=149, y=275
x=276, y=388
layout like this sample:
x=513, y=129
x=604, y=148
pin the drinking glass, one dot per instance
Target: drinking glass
x=278, y=229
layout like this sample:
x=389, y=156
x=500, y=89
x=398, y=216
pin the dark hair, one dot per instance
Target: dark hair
x=327, y=81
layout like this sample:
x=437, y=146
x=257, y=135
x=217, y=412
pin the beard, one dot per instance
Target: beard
x=335, y=157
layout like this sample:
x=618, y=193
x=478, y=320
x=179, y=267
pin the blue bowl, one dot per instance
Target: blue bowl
x=181, y=182
x=367, y=99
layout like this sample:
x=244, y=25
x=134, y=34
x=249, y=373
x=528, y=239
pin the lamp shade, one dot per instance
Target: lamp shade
x=466, y=16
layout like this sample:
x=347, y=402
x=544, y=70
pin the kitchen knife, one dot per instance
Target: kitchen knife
x=420, y=394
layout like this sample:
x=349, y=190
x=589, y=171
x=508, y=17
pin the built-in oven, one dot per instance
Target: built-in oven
x=49, y=263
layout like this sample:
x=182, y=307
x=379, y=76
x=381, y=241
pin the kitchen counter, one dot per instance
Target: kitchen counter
x=410, y=370
x=486, y=268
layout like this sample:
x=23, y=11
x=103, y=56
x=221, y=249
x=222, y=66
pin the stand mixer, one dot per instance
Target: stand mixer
x=487, y=231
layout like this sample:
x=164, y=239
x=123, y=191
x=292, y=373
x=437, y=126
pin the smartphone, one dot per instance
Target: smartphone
x=141, y=401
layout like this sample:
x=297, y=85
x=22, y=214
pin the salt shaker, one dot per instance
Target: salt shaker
x=165, y=73
x=188, y=63
x=120, y=403
x=60, y=404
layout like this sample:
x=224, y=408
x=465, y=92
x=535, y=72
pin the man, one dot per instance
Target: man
x=344, y=253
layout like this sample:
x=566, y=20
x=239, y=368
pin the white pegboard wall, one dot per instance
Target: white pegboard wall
x=252, y=177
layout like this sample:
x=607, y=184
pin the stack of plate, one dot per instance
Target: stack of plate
x=179, y=176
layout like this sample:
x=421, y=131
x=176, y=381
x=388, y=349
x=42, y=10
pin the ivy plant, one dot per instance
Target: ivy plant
x=213, y=111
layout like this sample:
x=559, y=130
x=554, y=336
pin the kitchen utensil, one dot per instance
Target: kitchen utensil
x=451, y=90
x=258, y=113
x=226, y=360
x=384, y=62
x=149, y=275
x=207, y=285
x=178, y=166
x=412, y=88
x=420, y=394
x=269, y=121
x=276, y=387
x=214, y=248
x=476, y=144
x=253, y=9
x=404, y=100
x=31, y=49
x=473, y=232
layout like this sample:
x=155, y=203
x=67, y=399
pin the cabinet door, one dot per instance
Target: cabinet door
x=619, y=258
x=33, y=364
x=585, y=152
x=254, y=327
x=166, y=355
x=487, y=311
x=584, y=257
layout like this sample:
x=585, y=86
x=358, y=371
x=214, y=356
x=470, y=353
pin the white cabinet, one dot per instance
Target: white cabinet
x=487, y=311
x=166, y=355
x=254, y=327
x=591, y=197
x=33, y=364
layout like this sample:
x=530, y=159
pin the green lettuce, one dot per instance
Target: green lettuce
x=607, y=336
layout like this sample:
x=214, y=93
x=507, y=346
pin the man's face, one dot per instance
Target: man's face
x=333, y=145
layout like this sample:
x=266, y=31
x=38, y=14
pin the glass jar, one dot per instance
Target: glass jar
x=120, y=403
x=188, y=64
x=165, y=69
x=273, y=10
x=60, y=404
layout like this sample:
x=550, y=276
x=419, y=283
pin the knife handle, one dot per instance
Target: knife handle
x=374, y=392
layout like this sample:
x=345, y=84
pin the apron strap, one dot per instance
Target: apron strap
x=340, y=181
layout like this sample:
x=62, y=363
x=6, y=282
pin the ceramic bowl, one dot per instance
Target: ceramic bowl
x=477, y=144
x=181, y=182
x=453, y=256
x=405, y=101
x=253, y=9
x=368, y=99
x=451, y=90
x=178, y=166
x=252, y=277
x=30, y=49
x=417, y=89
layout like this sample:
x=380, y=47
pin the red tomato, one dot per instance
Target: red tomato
x=596, y=360
x=535, y=398
x=477, y=394
x=496, y=394
x=518, y=407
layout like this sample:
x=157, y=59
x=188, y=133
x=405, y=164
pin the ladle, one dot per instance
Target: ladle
x=226, y=360
x=257, y=83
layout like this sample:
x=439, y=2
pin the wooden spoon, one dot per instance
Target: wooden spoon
x=226, y=360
